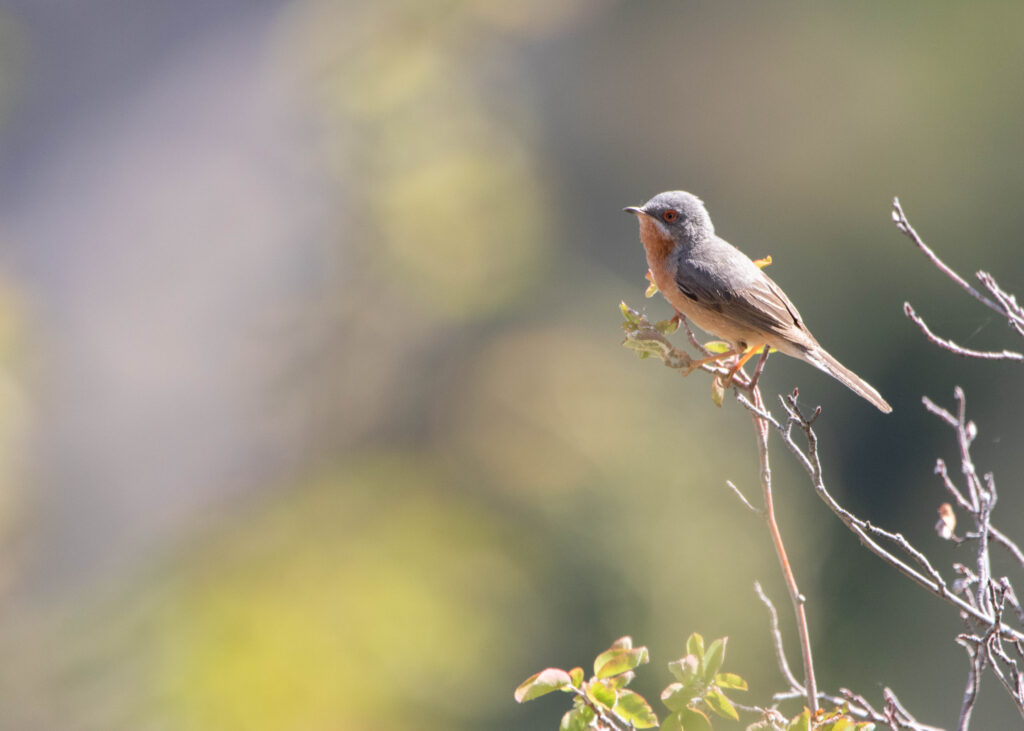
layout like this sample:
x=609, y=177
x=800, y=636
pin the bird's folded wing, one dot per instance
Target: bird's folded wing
x=759, y=305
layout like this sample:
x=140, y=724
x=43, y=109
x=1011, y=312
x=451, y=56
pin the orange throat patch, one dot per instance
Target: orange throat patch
x=656, y=242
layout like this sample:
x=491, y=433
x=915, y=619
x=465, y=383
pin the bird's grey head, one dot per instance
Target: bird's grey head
x=679, y=214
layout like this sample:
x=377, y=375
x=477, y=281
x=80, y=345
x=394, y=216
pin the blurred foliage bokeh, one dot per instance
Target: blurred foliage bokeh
x=313, y=413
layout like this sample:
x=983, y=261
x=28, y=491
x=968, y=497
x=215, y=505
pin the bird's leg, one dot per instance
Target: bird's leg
x=711, y=359
x=751, y=352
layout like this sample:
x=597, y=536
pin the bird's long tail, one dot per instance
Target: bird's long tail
x=820, y=359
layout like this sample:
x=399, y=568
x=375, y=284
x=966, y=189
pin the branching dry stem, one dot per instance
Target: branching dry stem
x=980, y=598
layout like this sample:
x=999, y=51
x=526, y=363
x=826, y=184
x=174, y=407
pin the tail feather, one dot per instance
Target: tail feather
x=821, y=359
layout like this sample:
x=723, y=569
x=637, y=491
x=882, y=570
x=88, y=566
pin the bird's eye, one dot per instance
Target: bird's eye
x=671, y=215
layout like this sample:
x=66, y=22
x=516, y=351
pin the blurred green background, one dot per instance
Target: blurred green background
x=313, y=413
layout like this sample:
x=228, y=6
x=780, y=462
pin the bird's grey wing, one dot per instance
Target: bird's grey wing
x=753, y=302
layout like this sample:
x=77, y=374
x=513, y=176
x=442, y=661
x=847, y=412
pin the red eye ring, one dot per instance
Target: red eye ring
x=670, y=216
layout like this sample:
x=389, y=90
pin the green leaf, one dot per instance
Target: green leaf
x=644, y=348
x=544, y=682
x=652, y=290
x=667, y=327
x=685, y=669
x=694, y=720
x=677, y=696
x=576, y=677
x=730, y=680
x=717, y=347
x=633, y=708
x=695, y=646
x=672, y=723
x=615, y=661
x=721, y=705
x=712, y=660
x=600, y=694
x=631, y=316
x=618, y=682
x=801, y=722
x=578, y=719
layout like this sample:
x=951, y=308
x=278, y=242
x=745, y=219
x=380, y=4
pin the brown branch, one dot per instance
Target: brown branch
x=796, y=598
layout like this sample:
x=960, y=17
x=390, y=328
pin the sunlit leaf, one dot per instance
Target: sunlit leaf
x=801, y=722
x=576, y=677
x=695, y=646
x=542, y=683
x=721, y=705
x=578, y=719
x=630, y=315
x=677, y=696
x=600, y=693
x=762, y=263
x=717, y=347
x=694, y=720
x=730, y=680
x=633, y=708
x=615, y=661
x=685, y=669
x=712, y=660
x=672, y=723
x=621, y=680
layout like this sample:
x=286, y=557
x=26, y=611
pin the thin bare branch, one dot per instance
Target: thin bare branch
x=939, y=411
x=760, y=366
x=861, y=701
x=743, y=498
x=780, y=653
x=940, y=470
x=930, y=580
x=691, y=336
x=907, y=230
x=973, y=683
x=999, y=537
x=901, y=715
x=1014, y=312
x=953, y=347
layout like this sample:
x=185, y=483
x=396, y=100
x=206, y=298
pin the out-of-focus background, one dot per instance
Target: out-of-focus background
x=313, y=413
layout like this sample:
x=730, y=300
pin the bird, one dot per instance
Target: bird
x=722, y=291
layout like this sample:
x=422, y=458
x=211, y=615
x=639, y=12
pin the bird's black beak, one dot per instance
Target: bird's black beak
x=635, y=211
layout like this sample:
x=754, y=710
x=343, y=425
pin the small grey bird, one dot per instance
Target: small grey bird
x=721, y=290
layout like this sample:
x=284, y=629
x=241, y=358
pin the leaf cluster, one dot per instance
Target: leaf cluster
x=697, y=695
x=700, y=688
x=603, y=701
